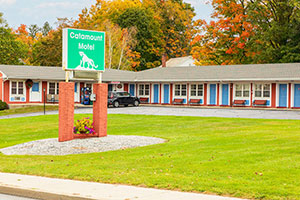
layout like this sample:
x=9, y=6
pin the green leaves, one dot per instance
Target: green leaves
x=256, y=31
x=12, y=50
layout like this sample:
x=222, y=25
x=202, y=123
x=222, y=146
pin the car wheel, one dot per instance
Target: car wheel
x=126, y=105
x=116, y=104
x=136, y=103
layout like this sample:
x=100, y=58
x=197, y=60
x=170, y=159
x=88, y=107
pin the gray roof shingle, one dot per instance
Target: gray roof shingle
x=251, y=72
x=56, y=73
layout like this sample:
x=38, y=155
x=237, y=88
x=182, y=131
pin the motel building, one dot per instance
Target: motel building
x=177, y=82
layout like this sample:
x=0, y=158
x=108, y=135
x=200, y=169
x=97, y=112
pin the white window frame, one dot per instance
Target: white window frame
x=17, y=88
x=180, y=90
x=144, y=90
x=242, y=97
x=197, y=91
x=56, y=87
x=262, y=91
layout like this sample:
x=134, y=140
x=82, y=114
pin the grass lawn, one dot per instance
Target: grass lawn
x=250, y=158
x=27, y=110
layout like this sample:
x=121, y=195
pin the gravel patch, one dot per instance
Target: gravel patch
x=79, y=146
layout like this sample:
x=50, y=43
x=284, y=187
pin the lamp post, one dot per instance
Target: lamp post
x=44, y=101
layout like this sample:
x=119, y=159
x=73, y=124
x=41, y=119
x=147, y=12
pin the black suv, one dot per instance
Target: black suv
x=122, y=98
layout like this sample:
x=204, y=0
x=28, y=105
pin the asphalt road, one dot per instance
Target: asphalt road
x=187, y=111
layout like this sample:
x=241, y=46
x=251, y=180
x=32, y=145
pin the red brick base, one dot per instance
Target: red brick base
x=100, y=109
x=66, y=111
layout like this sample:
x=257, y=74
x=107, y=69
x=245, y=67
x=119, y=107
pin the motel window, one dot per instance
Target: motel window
x=54, y=88
x=242, y=90
x=180, y=90
x=17, y=87
x=262, y=90
x=196, y=90
x=144, y=90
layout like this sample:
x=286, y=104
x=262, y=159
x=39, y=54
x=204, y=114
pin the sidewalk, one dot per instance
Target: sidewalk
x=52, y=188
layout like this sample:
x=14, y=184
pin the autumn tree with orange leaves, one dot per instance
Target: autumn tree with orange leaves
x=226, y=40
x=162, y=27
x=248, y=31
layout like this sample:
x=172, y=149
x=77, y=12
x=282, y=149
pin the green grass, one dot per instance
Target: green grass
x=30, y=109
x=250, y=158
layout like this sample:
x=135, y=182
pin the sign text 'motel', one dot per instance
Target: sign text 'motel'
x=83, y=50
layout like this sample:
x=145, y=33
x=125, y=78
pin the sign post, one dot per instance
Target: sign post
x=83, y=51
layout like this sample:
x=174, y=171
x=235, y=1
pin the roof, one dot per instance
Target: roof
x=251, y=72
x=180, y=62
x=56, y=73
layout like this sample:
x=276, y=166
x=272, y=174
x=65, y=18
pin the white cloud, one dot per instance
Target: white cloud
x=7, y=2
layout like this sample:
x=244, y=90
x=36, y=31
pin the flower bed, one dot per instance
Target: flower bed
x=84, y=128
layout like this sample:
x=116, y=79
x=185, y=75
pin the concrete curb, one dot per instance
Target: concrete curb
x=36, y=194
x=64, y=189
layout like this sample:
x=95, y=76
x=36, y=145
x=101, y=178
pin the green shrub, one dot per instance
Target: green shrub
x=3, y=105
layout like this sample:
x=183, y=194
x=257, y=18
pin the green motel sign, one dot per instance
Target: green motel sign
x=83, y=50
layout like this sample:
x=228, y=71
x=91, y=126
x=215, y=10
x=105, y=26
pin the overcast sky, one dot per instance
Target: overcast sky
x=28, y=12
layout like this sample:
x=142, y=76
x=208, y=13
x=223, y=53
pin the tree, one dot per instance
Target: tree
x=46, y=28
x=227, y=40
x=161, y=27
x=127, y=39
x=248, y=31
x=22, y=35
x=176, y=19
x=147, y=34
x=2, y=20
x=280, y=28
x=33, y=30
x=113, y=33
x=12, y=50
x=47, y=51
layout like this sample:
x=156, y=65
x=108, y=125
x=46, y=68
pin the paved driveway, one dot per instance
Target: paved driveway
x=188, y=111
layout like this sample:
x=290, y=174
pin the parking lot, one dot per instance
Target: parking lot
x=188, y=111
x=208, y=112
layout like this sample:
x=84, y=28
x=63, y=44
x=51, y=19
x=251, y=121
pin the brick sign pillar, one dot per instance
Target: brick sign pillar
x=66, y=111
x=100, y=109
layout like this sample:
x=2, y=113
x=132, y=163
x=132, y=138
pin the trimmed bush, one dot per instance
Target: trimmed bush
x=3, y=105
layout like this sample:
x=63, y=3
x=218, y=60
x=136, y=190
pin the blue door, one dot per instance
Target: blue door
x=297, y=96
x=156, y=93
x=212, y=92
x=282, y=95
x=166, y=93
x=225, y=94
x=131, y=89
